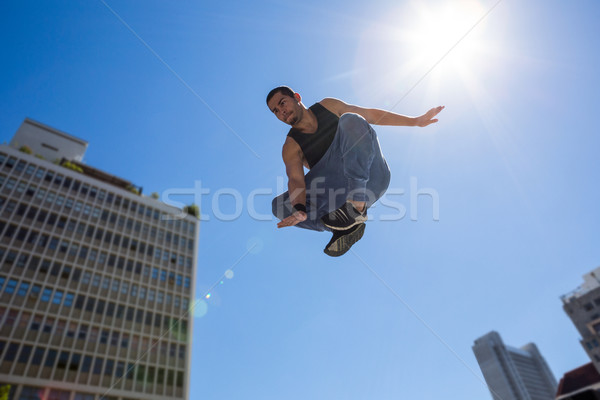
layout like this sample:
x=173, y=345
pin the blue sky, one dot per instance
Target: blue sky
x=513, y=161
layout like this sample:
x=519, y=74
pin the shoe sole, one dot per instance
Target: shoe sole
x=347, y=242
x=358, y=220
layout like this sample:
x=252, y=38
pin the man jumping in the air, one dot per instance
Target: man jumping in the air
x=348, y=173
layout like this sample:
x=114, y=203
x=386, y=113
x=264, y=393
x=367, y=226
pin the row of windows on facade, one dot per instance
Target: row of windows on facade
x=57, y=295
x=72, y=275
x=72, y=226
x=66, y=206
x=85, y=190
x=38, y=393
x=90, y=334
x=590, y=307
x=592, y=344
x=86, y=364
x=93, y=305
x=82, y=188
x=75, y=249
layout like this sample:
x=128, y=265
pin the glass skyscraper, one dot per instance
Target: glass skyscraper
x=514, y=373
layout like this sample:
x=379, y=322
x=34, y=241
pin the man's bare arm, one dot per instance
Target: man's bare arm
x=292, y=158
x=377, y=116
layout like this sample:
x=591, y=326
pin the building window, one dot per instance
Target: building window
x=85, y=366
x=98, y=366
x=109, y=367
x=66, y=272
x=69, y=299
x=31, y=393
x=80, y=301
x=75, y=360
x=110, y=309
x=104, y=336
x=23, y=289
x=11, y=352
x=83, y=331
x=58, y=295
x=71, y=330
x=11, y=286
x=48, y=325
x=25, y=353
x=89, y=306
x=38, y=356
x=20, y=166
x=102, y=258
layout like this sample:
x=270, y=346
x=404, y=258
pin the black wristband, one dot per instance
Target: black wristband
x=299, y=207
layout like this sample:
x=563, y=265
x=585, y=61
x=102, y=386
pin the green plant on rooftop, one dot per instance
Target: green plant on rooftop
x=26, y=149
x=133, y=189
x=74, y=167
x=193, y=210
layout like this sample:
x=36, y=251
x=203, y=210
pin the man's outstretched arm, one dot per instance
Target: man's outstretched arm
x=377, y=116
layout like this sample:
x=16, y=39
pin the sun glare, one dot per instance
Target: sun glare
x=449, y=34
x=449, y=44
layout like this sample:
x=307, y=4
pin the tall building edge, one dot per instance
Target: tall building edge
x=191, y=310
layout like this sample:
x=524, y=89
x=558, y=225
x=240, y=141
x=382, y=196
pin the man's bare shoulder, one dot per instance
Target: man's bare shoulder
x=336, y=106
x=291, y=148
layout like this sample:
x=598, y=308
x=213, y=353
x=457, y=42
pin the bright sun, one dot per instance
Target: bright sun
x=449, y=34
x=445, y=41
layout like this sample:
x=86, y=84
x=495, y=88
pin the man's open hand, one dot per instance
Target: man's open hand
x=295, y=218
x=427, y=118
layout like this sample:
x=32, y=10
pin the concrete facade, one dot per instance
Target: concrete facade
x=96, y=283
x=583, y=308
x=514, y=373
x=48, y=142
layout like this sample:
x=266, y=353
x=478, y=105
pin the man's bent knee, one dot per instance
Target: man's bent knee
x=351, y=120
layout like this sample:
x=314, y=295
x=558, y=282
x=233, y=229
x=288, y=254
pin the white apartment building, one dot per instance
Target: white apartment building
x=96, y=281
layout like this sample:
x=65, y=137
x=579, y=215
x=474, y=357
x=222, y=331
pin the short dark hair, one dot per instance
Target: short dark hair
x=285, y=90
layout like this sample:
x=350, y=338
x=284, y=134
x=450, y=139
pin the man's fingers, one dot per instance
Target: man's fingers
x=289, y=221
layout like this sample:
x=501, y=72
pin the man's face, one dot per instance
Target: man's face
x=287, y=109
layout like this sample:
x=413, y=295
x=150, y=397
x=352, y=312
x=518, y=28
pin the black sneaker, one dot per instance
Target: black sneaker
x=344, y=217
x=341, y=241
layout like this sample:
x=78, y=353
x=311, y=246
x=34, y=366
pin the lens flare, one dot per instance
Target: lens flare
x=199, y=308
